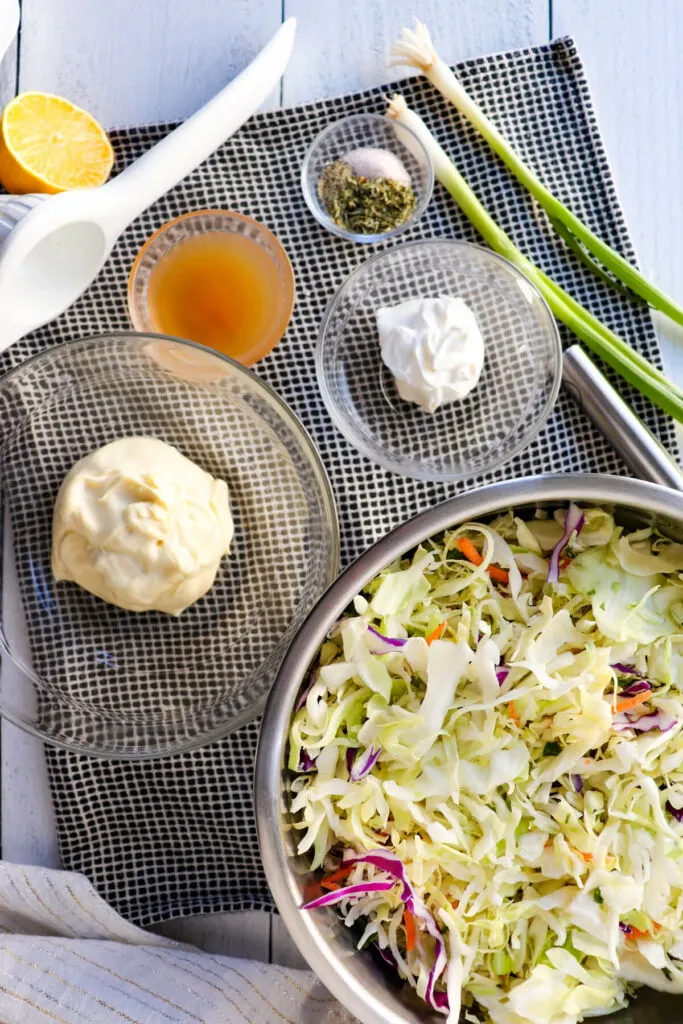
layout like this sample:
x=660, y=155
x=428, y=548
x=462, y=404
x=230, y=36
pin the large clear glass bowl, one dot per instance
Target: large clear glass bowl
x=515, y=393
x=86, y=675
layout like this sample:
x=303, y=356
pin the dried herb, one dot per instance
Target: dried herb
x=366, y=206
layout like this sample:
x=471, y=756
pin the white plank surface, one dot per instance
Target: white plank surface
x=132, y=62
x=245, y=934
x=347, y=48
x=282, y=949
x=632, y=52
x=8, y=57
x=28, y=822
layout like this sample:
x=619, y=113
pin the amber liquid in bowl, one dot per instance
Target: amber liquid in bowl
x=219, y=289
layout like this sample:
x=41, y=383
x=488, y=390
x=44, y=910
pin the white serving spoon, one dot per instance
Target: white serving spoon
x=52, y=246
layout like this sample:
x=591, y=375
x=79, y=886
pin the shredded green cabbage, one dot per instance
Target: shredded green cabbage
x=530, y=774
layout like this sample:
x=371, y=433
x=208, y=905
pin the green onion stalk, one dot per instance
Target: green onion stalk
x=600, y=339
x=416, y=50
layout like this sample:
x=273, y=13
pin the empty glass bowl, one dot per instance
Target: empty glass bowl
x=375, y=131
x=515, y=393
x=86, y=675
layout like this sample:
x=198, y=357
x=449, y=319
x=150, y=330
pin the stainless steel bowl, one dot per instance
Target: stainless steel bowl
x=355, y=978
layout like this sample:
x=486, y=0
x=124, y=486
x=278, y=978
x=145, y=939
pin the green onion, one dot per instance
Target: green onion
x=605, y=343
x=416, y=50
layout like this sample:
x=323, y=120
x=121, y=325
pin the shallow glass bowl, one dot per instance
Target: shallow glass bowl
x=464, y=439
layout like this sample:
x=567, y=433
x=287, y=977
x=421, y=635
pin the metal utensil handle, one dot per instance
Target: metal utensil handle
x=639, y=449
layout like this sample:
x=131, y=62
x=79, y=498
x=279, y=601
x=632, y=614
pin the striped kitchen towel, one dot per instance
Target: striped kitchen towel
x=66, y=956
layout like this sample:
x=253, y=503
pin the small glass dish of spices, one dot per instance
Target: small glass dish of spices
x=366, y=178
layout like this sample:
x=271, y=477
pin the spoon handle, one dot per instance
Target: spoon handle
x=183, y=149
x=639, y=449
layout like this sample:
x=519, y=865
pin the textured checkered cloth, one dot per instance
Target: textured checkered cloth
x=162, y=839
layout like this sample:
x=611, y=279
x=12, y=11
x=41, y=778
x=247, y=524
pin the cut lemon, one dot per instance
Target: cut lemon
x=48, y=144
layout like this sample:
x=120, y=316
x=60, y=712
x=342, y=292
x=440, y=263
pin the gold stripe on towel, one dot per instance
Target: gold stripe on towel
x=69, y=984
x=35, y=1006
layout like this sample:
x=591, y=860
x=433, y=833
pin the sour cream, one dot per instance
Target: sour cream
x=433, y=348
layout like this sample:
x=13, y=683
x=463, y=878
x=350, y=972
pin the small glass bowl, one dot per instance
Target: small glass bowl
x=202, y=222
x=374, y=130
x=501, y=415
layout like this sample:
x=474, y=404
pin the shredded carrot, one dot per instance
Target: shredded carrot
x=337, y=876
x=330, y=886
x=656, y=927
x=312, y=890
x=633, y=702
x=436, y=633
x=409, y=925
x=564, y=562
x=588, y=857
x=635, y=933
x=455, y=904
x=512, y=711
x=469, y=551
x=472, y=555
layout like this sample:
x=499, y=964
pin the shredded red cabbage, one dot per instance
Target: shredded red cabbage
x=577, y=783
x=502, y=674
x=362, y=889
x=302, y=699
x=393, y=641
x=626, y=928
x=351, y=757
x=626, y=670
x=364, y=763
x=387, y=861
x=640, y=686
x=387, y=957
x=677, y=812
x=645, y=723
x=306, y=763
x=573, y=524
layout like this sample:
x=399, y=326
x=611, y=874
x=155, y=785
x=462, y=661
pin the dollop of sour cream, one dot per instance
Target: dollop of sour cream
x=433, y=348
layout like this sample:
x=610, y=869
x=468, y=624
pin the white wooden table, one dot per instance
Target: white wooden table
x=130, y=62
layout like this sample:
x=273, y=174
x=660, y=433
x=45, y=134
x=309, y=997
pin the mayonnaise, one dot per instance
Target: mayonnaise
x=141, y=526
x=433, y=348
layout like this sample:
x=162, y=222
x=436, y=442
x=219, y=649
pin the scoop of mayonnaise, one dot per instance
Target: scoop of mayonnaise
x=139, y=525
x=433, y=348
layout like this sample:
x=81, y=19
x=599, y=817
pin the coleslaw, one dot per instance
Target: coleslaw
x=488, y=768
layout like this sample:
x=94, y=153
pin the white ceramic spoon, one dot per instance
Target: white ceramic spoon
x=55, y=245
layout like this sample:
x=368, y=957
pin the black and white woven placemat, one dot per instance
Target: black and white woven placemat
x=177, y=836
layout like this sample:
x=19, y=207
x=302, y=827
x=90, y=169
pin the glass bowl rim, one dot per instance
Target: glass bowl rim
x=417, y=471
x=289, y=288
x=329, y=507
x=327, y=222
